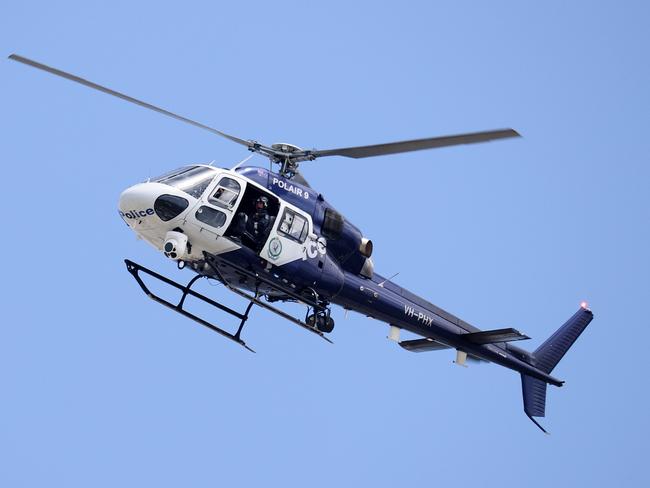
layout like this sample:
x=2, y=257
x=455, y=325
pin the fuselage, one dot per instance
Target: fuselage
x=307, y=246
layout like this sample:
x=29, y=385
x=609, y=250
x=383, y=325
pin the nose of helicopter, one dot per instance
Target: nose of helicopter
x=136, y=206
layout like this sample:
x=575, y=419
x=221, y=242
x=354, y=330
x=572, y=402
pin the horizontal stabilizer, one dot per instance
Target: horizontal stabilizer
x=423, y=345
x=494, y=336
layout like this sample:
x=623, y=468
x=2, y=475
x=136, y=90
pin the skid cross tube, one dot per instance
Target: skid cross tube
x=254, y=299
x=135, y=269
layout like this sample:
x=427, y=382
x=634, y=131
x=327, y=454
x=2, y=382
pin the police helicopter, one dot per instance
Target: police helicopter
x=269, y=237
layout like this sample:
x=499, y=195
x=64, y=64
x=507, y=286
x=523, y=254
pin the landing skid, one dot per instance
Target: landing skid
x=135, y=269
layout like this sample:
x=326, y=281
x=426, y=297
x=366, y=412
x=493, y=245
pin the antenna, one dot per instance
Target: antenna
x=240, y=162
x=387, y=279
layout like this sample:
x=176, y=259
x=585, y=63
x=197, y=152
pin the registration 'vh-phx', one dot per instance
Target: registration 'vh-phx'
x=270, y=237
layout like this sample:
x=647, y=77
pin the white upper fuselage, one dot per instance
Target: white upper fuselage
x=212, y=197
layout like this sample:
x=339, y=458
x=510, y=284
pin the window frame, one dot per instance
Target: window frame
x=303, y=233
x=167, y=206
x=189, y=179
x=200, y=211
x=218, y=203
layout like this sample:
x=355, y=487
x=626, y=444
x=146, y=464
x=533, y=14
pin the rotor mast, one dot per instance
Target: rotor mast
x=288, y=157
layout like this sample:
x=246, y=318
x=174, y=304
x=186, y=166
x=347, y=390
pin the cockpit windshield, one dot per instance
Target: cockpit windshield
x=191, y=179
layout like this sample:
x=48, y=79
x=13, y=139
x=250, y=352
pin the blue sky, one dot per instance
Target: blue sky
x=101, y=387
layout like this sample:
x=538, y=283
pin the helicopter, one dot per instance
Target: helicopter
x=270, y=237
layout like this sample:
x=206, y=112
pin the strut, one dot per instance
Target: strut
x=213, y=262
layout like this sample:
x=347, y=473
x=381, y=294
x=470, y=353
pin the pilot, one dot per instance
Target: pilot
x=259, y=223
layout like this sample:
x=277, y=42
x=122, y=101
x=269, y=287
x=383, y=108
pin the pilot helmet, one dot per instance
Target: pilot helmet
x=262, y=203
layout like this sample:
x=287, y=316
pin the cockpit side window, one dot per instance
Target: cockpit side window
x=211, y=216
x=294, y=226
x=226, y=193
x=192, y=180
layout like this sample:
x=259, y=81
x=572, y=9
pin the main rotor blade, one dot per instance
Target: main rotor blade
x=414, y=145
x=117, y=94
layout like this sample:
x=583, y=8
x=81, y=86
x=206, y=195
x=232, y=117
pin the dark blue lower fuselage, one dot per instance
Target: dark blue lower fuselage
x=381, y=300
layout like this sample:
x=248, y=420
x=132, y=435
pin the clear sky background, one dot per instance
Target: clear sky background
x=101, y=387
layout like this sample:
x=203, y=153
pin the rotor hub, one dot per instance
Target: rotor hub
x=286, y=148
x=288, y=156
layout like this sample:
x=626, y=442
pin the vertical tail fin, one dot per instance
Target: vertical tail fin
x=546, y=358
x=555, y=347
x=534, y=391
